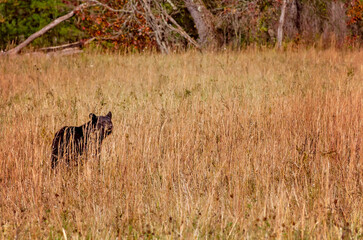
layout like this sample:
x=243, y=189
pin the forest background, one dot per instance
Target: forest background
x=135, y=25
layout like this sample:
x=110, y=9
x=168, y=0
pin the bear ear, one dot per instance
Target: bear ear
x=109, y=114
x=93, y=117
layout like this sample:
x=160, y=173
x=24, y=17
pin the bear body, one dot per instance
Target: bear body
x=71, y=142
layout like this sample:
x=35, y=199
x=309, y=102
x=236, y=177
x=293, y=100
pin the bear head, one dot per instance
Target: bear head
x=102, y=124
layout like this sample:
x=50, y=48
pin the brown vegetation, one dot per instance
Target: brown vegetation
x=251, y=144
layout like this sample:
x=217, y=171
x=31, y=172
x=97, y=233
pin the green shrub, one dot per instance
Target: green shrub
x=19, y=19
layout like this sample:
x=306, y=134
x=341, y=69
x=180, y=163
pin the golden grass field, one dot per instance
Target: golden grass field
x=256, y=144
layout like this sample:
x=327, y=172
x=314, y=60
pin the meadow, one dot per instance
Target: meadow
x=256, y=144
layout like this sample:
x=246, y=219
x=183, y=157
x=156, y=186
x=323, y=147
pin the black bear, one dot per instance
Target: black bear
x=71, y=142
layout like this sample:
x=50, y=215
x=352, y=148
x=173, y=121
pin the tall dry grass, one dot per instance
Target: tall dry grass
x=254, y=144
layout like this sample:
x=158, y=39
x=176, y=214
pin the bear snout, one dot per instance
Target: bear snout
x=109, y=128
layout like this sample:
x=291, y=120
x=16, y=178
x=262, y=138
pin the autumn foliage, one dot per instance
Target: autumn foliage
x=355, y=20
x=115, y=30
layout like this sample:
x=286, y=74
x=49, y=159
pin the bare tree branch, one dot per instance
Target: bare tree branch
x=152, y=21
x=172, y=4
x=181, y=31
x=45, y=29
x=178, y=28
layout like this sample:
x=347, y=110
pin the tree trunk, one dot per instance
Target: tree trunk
x=281, y=24
x=203, y=19
x=45, y=29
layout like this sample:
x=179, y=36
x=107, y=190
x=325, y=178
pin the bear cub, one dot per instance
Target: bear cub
x=71, y=142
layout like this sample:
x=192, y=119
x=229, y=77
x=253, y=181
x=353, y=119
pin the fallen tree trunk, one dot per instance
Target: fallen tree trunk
x=45, y=29
x=63, y=52
x=78, y=44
